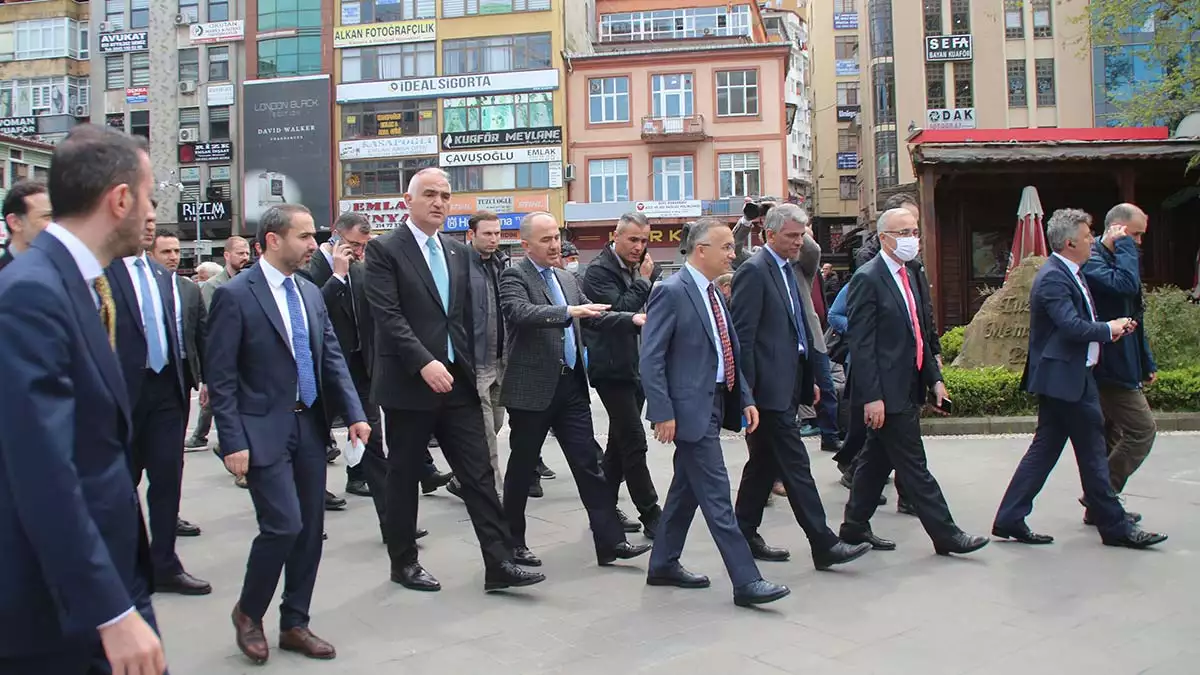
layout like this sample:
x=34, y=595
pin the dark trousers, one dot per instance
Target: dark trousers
x=856, y=438
x=458, y=427
x=898, y=444
x=373, y=467
x=827, y=407
x=203, y=422
x=625, y=454
x=159, y=424
x=1129, y=430
x=570, y=415
x=289, y=502
x=701, y=480
x=1083, y=424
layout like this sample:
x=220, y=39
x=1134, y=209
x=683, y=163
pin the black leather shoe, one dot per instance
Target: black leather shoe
x=1022, y=534
x=432, y=483
x=420, y=532
x=847, y=481
x=454, y=487
x=182, y=584
x=524, y=557
x=678, y=577
x=414, y=577
x=961, y=543
x=838, y=554
x=334, y=502
x=761, y=551
x=507, y=575
x=628, y=524
x=332, y=453
x=868, y=537
x=1137, y=539
x=759, y=593
x=185, y=529
x=1132, y=516
x=650, y=525
x=433, y=442
x=831, y=445
x=535, y=488
x=904, y=508
x=545, y=472
x=622, y=551
x=358, y=487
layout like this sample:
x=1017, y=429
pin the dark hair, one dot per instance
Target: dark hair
x=278, y=220
x=14, y=201
x=480, y=216
x=898, y=200
x=165, y=233
x=90, y=162
x=352, y=221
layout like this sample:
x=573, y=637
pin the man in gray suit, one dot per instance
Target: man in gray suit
x=545, y=386
x=694, y=387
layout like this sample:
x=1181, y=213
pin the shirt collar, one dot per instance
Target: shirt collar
x=778, y=260
x=702, y=281
x=420, y=236
x=274, y=276
x=1070, y=265
x=130, y=259
x=893, y=266
x=89, y=266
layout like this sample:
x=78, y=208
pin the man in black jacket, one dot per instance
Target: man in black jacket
x=487, y=262
x=621, y=276
x=26, y=213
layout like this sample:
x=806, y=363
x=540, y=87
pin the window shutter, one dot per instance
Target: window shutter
x=453, y=8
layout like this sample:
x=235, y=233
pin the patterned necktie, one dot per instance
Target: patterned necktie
x=108, y=309
x=156, y=355
x=306, y=375
x=569, y=353
x=912, y=316
x=441, y=279
x=1088, y=292
x=798, y=318
x=723, y=331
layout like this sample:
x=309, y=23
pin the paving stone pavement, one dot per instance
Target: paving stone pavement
x=1073, y=607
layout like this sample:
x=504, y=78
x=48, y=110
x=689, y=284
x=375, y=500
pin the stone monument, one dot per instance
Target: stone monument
x=999, y=333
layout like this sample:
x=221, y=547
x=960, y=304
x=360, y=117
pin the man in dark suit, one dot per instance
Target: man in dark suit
x=75, y=570
x=1064, y=346
x=894, y=368
x=418, y=286
x=546, y=386
x=153, y=366
x=26, y=213
x=694, y=387
x=778, y=364
x=276, y=375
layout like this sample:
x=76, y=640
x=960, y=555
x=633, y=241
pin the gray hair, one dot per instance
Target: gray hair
x=1121, y=213
x=632, y=218
x=1063, y=227
x=698, y=233
x=210, y=268
x=888, y=215
x=412, y=183
x=352, y=221
x=781, y=215
x=527, y=223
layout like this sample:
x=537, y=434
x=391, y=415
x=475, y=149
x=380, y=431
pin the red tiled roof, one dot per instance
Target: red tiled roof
x=1040, y=135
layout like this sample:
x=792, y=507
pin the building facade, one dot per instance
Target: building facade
x=790, y=25
x=44, y=68
x=836, y=104
x=20, y=159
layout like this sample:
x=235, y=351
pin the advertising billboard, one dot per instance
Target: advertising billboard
x=287, y=146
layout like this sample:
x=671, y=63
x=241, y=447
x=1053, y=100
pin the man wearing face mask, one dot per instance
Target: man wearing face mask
x=890, y=329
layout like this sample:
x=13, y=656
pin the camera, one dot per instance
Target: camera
x=758, y=207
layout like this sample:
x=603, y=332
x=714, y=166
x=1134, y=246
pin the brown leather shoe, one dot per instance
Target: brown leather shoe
x=250, y=638
x=302, y=640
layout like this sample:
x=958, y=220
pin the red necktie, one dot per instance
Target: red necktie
x=912, y=315
x=726, y=343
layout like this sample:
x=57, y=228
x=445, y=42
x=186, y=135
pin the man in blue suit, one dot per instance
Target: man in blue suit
x=694, y=387
x=276, y=376
x=74, y=572
x=1064, y=346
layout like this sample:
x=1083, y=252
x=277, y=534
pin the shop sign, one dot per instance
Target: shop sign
x=394, y=32
x=449, y=85
x=393, y=146
x=678, y=208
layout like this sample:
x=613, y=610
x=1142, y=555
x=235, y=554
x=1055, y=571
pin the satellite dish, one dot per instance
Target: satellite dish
x=1189, y=127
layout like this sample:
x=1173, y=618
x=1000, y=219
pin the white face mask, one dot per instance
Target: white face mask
x=907, y=248
x=573, y=265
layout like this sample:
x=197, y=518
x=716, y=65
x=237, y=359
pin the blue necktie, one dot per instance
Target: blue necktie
x=305, y=374
x=156, y=355
x=569, y=332
x=789, y=278
x=441, y=278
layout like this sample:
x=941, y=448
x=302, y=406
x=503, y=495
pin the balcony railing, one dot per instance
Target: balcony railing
x=673, y=129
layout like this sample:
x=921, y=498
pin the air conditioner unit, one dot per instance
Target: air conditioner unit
x=182, y=20
x=569, y=173
x=188, y=135
x=187, y=86
x=105, y=27
x=80, y=111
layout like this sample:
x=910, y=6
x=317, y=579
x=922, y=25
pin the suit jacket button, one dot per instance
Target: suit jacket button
x=711, y=392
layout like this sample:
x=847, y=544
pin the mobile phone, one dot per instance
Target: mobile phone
x=947, y=406
x=645, y=252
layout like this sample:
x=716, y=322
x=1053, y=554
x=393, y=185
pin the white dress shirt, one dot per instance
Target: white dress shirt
x=894, y=267
x=703, y=283
x=329, y=259
x=421, y=238
x=175, y=281
x=275, y=282
x=155, y=298
x=1093, y=350
x=781, y=263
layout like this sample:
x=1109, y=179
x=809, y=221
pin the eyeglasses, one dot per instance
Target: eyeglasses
x=905, y=233
x=725, y=248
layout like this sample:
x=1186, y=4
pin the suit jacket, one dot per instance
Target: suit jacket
x=613, y=357
x=71, y=527
x=679, y=365
x=882, y=341
x=410, y=324
x=195, y=316
x=347, y=306
x=1115, y=280
x=251, y=372
x=806, y=268
x=214, y=282
x=131, y=336
x=481, y=291
x=1060, y=328
x=763, y=317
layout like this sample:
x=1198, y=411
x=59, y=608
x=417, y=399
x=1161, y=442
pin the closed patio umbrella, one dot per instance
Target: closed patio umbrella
x=1030, y=239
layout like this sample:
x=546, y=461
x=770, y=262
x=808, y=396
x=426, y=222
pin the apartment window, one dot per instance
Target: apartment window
x=845, y=47
x=190, y=9
x=139, y=14
x=672, y=95
x=383, y=177
x=218, y=123
x=847, y=188
x=189, y=64
x=218, y=64
x=382, y=11
x=139, y=123
x=139, y=69
x=114, y=72
x=389, y=118
x=845, y=6
x=84, y=42
x=189, y=176
x=933, y=17
x=673, y=178
x=290, y=14
x=608, y=180
x=1014, y=19
x=935, y=85
x=887, y=161
x=737, y=92
x=847, y=141
x=1043, y=72
x=456, y=8
x=218, y=181
x=389, y=62
x=960, y=17
x=608, y=100
x=218, y=10
x=738, y=175
x=529, y=176
x=676, y=24
x=847, y=93
x=964, y=89
x=48, y=38
x=496, y=54
x=189, y=118
x=289, y=57
x=879, y=13
x=884, y=77
x=491, y=113
x=1042, y=19
x=114, y=14
x=1017, y=97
